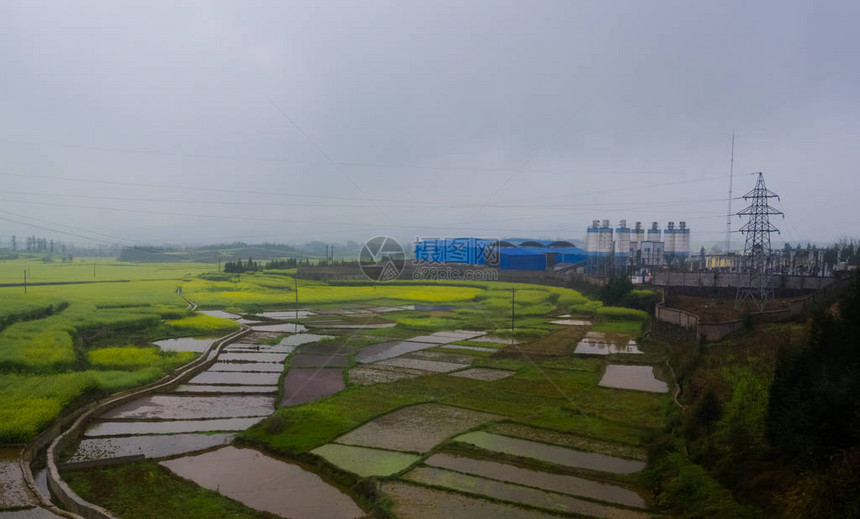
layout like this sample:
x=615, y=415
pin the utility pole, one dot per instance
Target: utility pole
x=25, y=281
x=513, y=301
x=758, y=284
x=296, y=280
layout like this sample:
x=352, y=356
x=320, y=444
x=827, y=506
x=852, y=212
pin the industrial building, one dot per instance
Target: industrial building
x=607, y=250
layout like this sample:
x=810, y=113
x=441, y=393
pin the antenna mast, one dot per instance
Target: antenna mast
x=729, y=212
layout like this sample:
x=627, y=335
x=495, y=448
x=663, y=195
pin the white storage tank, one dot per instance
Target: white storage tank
x=669, y=240
x=682, y=240
x=605, y=245
x=591, y=237
x=654, y=232
x=622, y=239
x=637, y=234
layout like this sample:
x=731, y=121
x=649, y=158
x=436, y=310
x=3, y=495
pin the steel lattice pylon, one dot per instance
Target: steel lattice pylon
x=758, y=282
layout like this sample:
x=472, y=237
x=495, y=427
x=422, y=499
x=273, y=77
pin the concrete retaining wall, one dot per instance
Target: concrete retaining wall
x=714, y=331
x=58, y=436
x=735, y=280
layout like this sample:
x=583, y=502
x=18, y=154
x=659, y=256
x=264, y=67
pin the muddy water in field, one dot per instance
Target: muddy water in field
x=354, y=326
x=388, y=350
x=599, y=347
x=227, y=378
x=182, y=426
x=203, y=388
x=287, y=314
x=640, y=378
x=550, y=453
x=328, y=348
x=249, y=367
x=185, y=344
x=149, y=446
x=306, y=385
x=13, y=490
x=433, y=339
x=266, y=484
x=517, y=494
x=280, y=328
x=252, y=357
x=460, y=335
x=419, y=502
x=302, y=338
x=171, y=407
x=543, y=480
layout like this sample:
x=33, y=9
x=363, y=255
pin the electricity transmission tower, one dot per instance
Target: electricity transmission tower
x=758, y=283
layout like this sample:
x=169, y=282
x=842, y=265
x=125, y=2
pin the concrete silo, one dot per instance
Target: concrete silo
x=637, y=234
x=591, y=237
x=682, y=240
x=605, y=245
x=654, y=232
x=622, y=243
x=669, y=240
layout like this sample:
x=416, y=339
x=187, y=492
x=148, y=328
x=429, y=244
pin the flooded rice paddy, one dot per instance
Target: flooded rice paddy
x=228, y=378
x=589, y=346
x=365, y=461
x=417, y=428
x=248, y=367
x=266, y=484
x=483, y=374
x=202, y=388
x=434, y=339
x=389, y=350
x=560, y=483
x=550, y=453
x=571, y=322
x=355, y=326
x=306, y=385
x=196, y=345
x=170, y=407
x=162, y=446
x=494, y=340
x=418, y=502
x=280, y=328
x=302, y=338
x=252, y=357
x=461, y=335
x=517, y=494
x=640, y=378
x=286, y=314
x=104, y=428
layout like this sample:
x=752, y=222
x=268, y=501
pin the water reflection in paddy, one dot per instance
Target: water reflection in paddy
x=196, y=345
x=173, y=427
x=266, y=484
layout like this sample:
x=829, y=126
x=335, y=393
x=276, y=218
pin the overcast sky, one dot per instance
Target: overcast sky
x=151, y=122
